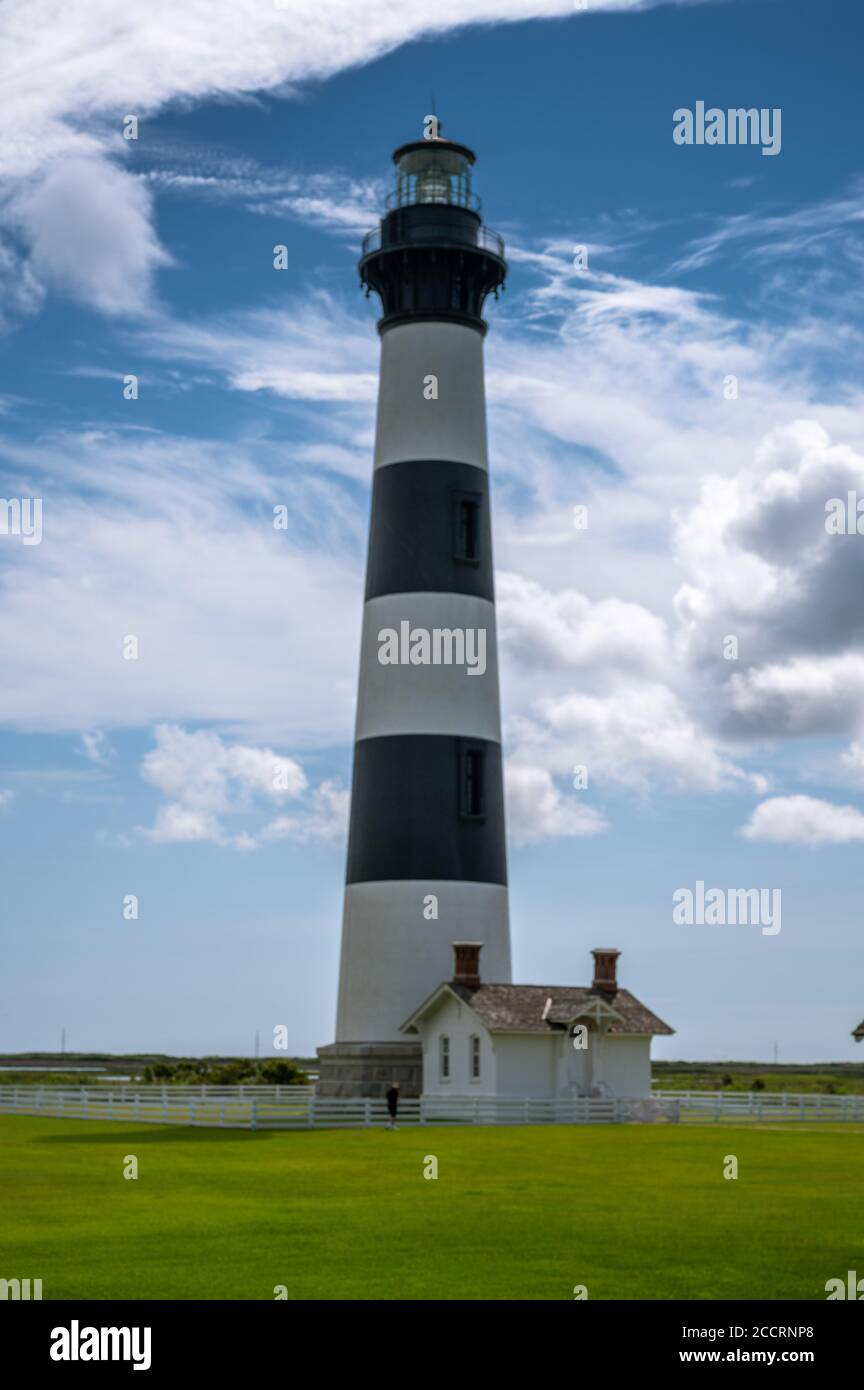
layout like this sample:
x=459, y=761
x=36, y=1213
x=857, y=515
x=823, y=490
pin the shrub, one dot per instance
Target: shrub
x=279, y=1072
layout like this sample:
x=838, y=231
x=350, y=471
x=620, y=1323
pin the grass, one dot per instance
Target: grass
x=516, y=1213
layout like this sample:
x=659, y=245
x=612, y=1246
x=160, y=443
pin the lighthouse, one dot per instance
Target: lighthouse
x=427, y=859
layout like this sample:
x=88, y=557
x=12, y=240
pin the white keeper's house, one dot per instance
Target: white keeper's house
x=534, y=1040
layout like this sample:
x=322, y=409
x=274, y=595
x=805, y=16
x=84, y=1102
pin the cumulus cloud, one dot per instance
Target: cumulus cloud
x=537, y=810
x=325, y=817
x=565, y=629
x=203, y=771
x=88, y=227
x=206, y=779
x=639, y=737
x=764, y=569
x=804, y=820
x=806, y=695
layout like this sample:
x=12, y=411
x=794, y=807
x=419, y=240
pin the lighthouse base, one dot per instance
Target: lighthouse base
x=350, y=1069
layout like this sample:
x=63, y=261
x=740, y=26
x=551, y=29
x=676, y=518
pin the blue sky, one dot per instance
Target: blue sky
x=261, y=126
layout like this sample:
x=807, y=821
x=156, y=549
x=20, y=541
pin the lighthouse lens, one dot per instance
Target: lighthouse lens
x=434, y=176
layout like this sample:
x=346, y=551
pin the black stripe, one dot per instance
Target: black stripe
x=409, y=817
x=414, y=534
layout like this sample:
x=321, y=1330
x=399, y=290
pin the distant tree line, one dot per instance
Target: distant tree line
x=199, y=1070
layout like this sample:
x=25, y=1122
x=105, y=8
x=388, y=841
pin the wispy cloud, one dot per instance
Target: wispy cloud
x=806, y=231
x=331, y=199
x=173, y=542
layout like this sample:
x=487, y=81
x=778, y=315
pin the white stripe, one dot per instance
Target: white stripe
x=412, y=427
x=393, y=957
x=433, y=699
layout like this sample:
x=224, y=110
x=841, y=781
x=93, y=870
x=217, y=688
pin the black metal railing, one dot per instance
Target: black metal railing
x=482, y=237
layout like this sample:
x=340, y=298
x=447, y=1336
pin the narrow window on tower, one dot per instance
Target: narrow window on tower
x=467, y=527
x=444, y=1057
x=472, y=789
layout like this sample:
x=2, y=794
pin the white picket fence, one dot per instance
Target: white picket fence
x=297, y=1107
x=703, y=1106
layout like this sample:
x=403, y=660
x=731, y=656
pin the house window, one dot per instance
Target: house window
x=472, y=789
x=467, y=527
x=474, y=1058
x=444, y=1057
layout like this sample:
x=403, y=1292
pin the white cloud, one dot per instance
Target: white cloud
x=207, y=779
x=176, y=823
x=598, y=684
x=852, y=759
x=536, y=809
x=20, y=291
x=171, y=540
x=95, y=747
x=88, y=227
x=803, y=696
x=762, y=568
x=68, y=65
x=808, y=232
x=331, y=198
x=310, y=350
x=204, y=772
x=566, y=630
x=324, y=818
x=6, y=799
x=804, y=820
x=640, y=737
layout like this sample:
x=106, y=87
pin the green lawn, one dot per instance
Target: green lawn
x=516, y=1213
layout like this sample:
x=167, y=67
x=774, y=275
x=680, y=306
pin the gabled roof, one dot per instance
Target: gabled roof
x=526, y=1009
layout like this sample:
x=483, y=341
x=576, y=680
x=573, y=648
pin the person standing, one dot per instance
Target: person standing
x=393, y=1104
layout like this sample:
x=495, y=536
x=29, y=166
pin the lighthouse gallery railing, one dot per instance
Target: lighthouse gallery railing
x=482, y=237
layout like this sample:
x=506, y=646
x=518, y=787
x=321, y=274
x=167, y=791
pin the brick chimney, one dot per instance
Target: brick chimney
x=605, y=961
x=466, y=965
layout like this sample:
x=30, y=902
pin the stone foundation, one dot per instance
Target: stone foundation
x=368, y=1068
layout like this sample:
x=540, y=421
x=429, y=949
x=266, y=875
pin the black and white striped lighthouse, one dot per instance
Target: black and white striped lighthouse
x=426, y=852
